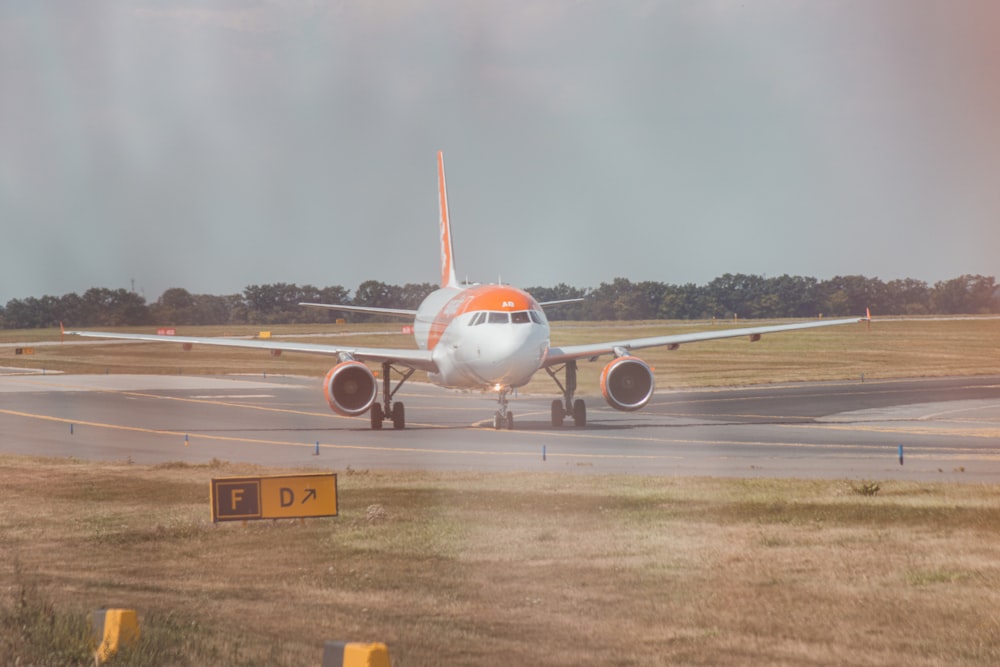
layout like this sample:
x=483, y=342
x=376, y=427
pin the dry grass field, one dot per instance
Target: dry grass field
x=477, y=569
x=514, y=569
x=889, y=348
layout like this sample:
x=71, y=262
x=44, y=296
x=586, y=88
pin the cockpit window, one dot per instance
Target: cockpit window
x=497, y=317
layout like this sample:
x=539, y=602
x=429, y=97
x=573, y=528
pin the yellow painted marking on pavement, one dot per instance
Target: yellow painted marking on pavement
x=286, y=443
x=206, y=401
x=913, y=452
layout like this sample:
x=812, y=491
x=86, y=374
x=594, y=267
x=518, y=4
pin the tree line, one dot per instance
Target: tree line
x=728, y=296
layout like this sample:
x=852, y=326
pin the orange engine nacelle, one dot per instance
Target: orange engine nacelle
x=350, y=388
x=627, y=383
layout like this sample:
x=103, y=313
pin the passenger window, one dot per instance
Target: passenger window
x=520, y=317
x=499, y=318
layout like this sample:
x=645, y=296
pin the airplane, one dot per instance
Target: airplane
x=491, y=337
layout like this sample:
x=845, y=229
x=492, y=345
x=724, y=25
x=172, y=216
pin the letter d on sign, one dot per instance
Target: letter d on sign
x=287, y=497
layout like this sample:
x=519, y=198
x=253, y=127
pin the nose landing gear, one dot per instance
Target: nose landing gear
x=503, y=418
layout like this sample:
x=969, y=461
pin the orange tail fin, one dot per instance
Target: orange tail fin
x=447, y=255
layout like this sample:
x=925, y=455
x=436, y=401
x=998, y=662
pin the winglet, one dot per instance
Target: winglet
x=448, y=278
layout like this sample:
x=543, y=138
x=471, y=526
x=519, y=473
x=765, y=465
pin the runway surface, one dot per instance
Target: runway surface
x=949, y=428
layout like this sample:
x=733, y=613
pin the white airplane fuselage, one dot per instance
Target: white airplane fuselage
x=482, y=336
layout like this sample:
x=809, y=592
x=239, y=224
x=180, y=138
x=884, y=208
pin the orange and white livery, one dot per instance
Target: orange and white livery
x=490, y=337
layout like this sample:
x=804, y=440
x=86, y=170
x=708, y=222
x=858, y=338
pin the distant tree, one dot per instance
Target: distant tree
x=330, y=295
x=735, y=294
x=412, y=294
x=29, y=313
x=178, y=306
x=852, y=295
x=742, y=294
x=608, y=300
x=376, y=294
x=272, y=304
x=211, y=309
x=569, y=311
x=907, y=297
x=113, y=308
x=968, y=294
x=792, y=296
x=72, y=309
x=175, y=306
x=682, y=302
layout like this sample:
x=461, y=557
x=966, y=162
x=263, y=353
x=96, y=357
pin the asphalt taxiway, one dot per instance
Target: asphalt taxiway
x=949, y=428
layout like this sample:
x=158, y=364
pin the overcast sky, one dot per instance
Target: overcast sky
x=259, y=142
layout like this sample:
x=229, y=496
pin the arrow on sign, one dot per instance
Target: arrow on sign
x=310, y=493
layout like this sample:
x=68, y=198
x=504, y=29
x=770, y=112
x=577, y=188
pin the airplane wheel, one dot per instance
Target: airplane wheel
x=377, y=416
x=497, y=421
x=398, y=416
x=579, y=412
x=510, y=421
x=558, y=413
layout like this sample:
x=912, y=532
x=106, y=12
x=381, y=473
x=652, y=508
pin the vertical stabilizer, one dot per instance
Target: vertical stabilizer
x=447, y=255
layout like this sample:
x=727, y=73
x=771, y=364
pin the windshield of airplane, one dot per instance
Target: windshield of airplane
x=494, y=317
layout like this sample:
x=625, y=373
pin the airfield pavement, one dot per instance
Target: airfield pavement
x=949, y=428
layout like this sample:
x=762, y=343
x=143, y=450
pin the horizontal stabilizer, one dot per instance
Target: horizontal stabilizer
x=560, y=302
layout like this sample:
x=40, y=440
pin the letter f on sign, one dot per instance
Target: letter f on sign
x=237, y=495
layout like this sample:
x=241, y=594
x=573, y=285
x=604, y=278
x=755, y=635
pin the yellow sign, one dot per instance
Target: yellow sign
x=274, y=497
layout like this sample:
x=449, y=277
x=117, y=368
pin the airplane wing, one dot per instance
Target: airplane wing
x=560, y=355
x=393, y=312
x=418, y=359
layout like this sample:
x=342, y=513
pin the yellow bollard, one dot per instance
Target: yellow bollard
x=114, y=628
x=353, y=654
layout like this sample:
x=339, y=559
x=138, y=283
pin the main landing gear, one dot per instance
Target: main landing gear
x=503, y=418
x=387, y=410
x=567, y=407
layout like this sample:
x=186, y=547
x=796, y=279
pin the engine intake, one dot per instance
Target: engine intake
x=350, y=388
x=627, y=383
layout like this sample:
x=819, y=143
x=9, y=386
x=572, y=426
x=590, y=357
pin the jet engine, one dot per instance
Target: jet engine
x=627, y=383
x=350, y=388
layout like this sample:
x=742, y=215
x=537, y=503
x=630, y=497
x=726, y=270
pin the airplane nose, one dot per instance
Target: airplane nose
x=510, y=357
